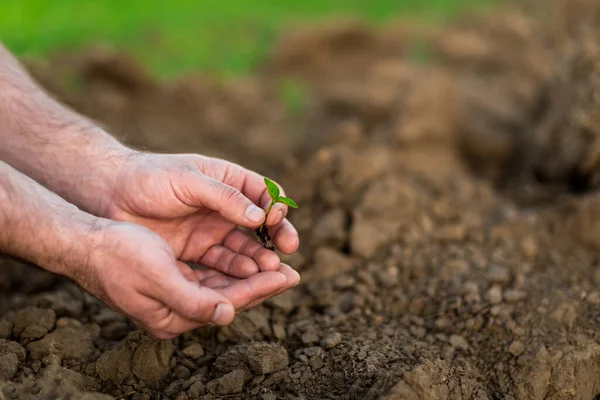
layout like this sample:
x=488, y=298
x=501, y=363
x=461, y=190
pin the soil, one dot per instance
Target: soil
x=262, y=232
x=449, y=219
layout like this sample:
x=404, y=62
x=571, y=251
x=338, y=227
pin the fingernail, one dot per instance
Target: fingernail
x=254, y=213
x=223, y=314
x=279, y=215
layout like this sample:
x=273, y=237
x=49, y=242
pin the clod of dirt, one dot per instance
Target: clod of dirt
x=56, y=373
x=331, y=340
x=387, y=205
x=574, y=107
x=331, y=52
x=105, y=66
x=436, y=94
x=265, y=358
x=327, y=264
x=459, y=342
x=516, y=348
x=138, y=356
x=150, y=360
x=577, y=373
x=498, y=275
x=9, y=364
x=10, y=347
x=565, y=313
x=532, y=382
x=494, y=295
x=436, y=381
x=52, y=359
x=194, y=351
x=584, y=221
x=234, y=358
x=114, y=365
x=330, y=229
x=67, y=341
x=263, y=236
x=252, y=324
x=62, y=302
x=284, y=302
x=33, y=323
x=6, y=328
x=196, y=389
x=230, y=383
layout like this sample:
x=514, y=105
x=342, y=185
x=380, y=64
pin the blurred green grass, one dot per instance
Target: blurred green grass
x=221, y=37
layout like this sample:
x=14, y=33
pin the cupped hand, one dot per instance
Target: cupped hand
x=135, y=271
x=200, y=206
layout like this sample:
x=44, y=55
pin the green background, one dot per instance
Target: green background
x=222, y=37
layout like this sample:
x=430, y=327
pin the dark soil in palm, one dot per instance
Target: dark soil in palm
x=449, y=220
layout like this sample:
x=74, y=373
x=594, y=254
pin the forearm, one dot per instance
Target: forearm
x=59, y=148
x=38, y=226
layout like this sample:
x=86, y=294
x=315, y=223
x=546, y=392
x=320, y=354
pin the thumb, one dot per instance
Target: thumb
x=195, y=302
x=227, y=200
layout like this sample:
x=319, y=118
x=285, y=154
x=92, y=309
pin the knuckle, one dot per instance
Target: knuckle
x=195, y=310
x=231, y=195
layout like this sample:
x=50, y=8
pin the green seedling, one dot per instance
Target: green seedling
x=262, y=231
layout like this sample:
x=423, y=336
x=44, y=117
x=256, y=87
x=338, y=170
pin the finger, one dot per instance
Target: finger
x=174, y=326
x=216, y=282
x=194, y=302
x=229, y=262
x=186, y=271
x=285, y=237
x=244, y=244
x=202, y=274
x=293, y=279
x=277, y=214
x=219, y=281
x=253, y=186
x=202, y=190
x=278, y=211
x=244, y=291
x=249, y=183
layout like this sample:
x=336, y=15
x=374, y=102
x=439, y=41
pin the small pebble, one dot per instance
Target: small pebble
x=459, y=342
x=194, y=351
x=516, y=348
x=331, y=340
x=494, y=295
x=316, y=363
x=309, y=338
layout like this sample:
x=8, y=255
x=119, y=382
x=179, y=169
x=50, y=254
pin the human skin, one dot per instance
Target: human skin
x=153, y=214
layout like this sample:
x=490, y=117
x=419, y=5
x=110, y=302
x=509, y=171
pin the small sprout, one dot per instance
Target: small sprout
x=287, y=201
x=262, y=231
x=273, y=189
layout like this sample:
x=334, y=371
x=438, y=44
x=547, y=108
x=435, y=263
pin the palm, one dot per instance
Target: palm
x=164, y=295
x=161, y=195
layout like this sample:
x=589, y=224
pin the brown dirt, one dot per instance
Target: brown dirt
x=449, y=222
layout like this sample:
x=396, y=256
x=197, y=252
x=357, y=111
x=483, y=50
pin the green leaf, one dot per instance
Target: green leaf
x=272, y=188
x=287, y=201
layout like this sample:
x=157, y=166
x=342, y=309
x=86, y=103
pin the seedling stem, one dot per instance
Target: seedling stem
x=263, y=231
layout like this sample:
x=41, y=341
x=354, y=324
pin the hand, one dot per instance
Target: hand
x=198, y=204
x=135, y=271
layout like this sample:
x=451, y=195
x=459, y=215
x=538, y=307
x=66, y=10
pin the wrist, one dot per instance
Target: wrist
x=73, y=156
x=96, y=190
x=38, y=226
